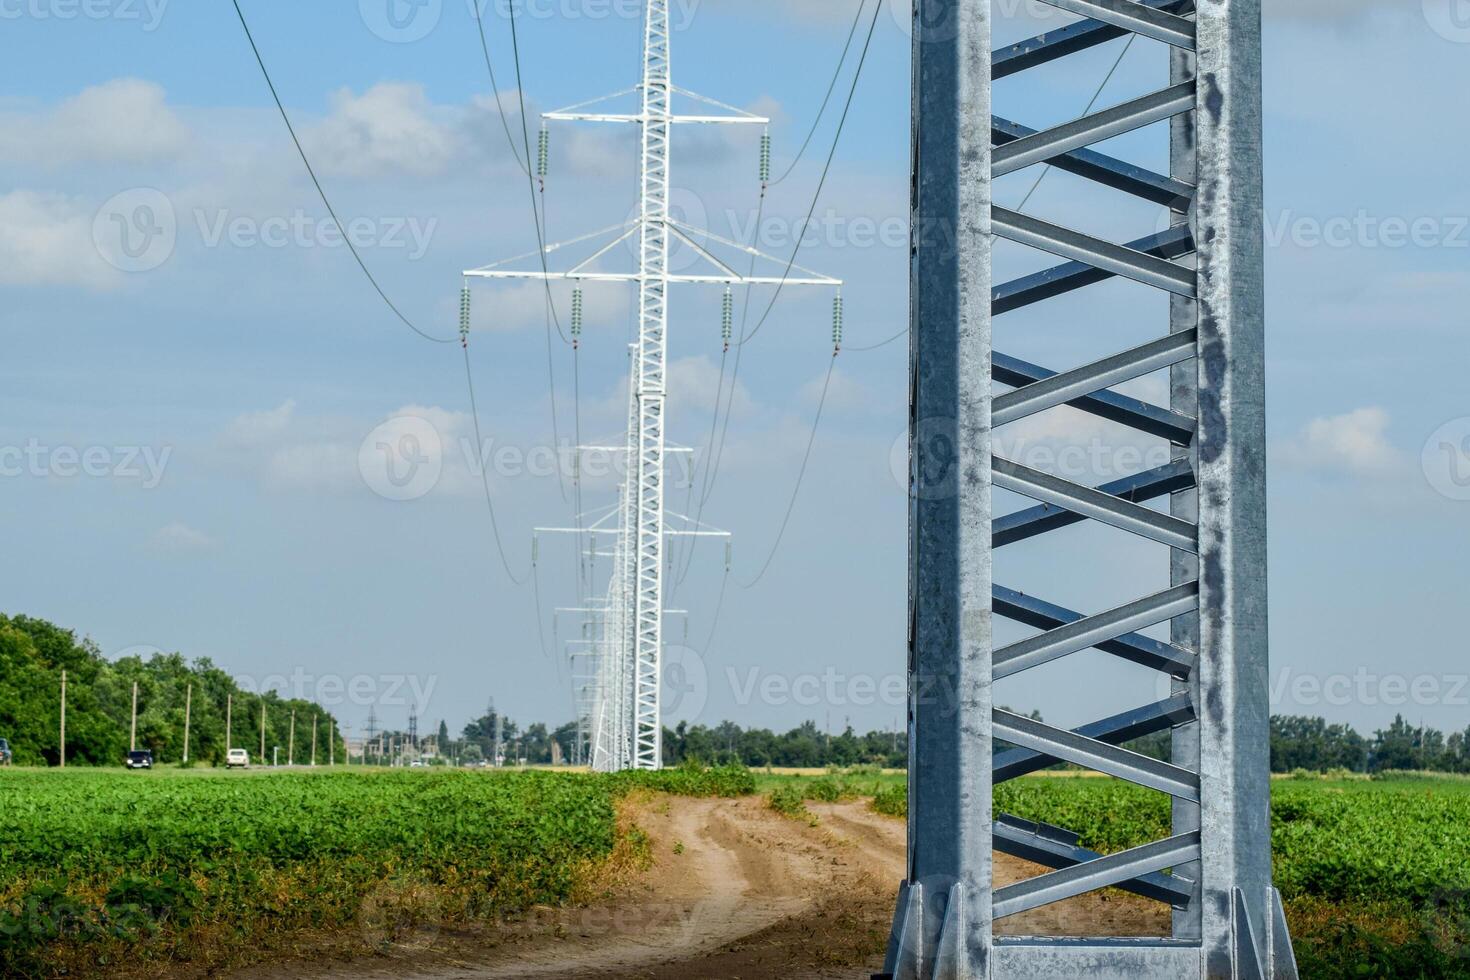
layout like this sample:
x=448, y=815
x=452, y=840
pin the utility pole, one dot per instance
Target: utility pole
x=291, y=741
x=1214, y=870
x=262, y=729
x=229, y=723
x=499, y=738
x=133, y=730
x=641, y=590
x=63, y=718
x=313, y=738
x=332, y=742
x=188, y=707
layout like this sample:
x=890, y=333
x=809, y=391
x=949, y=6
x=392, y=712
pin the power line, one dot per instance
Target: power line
x=530, y=178
x=826, y=171
x=1095, y=96
x=831, y=87
x=484, y=474
x=881, y=343
x=524, y=165
x=538, y=214
x=286, y=118
x=800, y=477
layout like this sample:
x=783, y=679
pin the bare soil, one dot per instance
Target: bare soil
x=735, y=891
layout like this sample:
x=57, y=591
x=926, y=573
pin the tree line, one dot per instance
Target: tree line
x=1297, y=742
x=99, y=703
x=33, y=653
x=1300, y=742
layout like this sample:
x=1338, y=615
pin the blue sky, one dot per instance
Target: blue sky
x=226, y=392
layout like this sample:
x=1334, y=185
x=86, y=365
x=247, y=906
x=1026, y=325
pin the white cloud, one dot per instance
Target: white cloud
x=290, y=452
x=1354, y=443
x=260, y=428
x=46, y=240
x=126, y=120
x=392, y=128
x=693, y=382
x=178, y=539
x=501, y=305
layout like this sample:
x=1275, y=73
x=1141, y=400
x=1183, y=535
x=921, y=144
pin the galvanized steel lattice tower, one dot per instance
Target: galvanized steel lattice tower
x=1204, y=509
x=627, y=722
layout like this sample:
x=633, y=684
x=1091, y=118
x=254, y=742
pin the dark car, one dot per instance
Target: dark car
x=5, y=753
x=140, y=759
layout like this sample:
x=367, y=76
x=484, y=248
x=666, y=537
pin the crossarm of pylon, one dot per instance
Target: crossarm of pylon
x=1084, y=34
x=749, y=250
x=1120, y=260
x=558, y=113
x=1172, y=244
x=689, y=240
x=1069, y=386
x=1080, y=133
x=1058, y=886
x=1095, y=504
x=744, y=116
x=632, y=230
x=1103, y=169
x=1099, y=756
x=1057, y=847
x=1124, y=727
x=554, y=247
x=631, y=117
x=1139, y=18
x=1132, y=412
x=1089, y=631
x=697, y=525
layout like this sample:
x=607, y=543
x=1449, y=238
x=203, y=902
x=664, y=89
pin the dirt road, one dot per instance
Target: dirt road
x=735, y=891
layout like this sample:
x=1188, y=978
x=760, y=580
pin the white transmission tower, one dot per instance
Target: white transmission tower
x=632, y=647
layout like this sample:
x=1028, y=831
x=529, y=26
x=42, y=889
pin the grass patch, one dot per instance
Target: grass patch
x=99, y=867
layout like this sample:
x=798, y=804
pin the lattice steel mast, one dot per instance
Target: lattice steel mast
x=640, y=594
x=1215, y=869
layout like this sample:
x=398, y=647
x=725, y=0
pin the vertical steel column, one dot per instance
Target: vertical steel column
x=1214, y=869
x=626, y=664
x=942, y=925
x=1233, y=671
x=1184, y=565
x=652, y=348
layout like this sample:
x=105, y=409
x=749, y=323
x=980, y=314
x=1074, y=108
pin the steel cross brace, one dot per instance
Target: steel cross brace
x=1214, y=867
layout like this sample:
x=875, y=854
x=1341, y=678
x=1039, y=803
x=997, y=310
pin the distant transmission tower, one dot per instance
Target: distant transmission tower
x=371, y=731
x=634, y=654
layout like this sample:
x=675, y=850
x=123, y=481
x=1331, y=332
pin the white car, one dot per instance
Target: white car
x=237, y=758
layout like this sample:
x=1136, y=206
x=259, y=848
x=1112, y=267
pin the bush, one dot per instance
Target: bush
x=789, y=801
x=892, y=801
